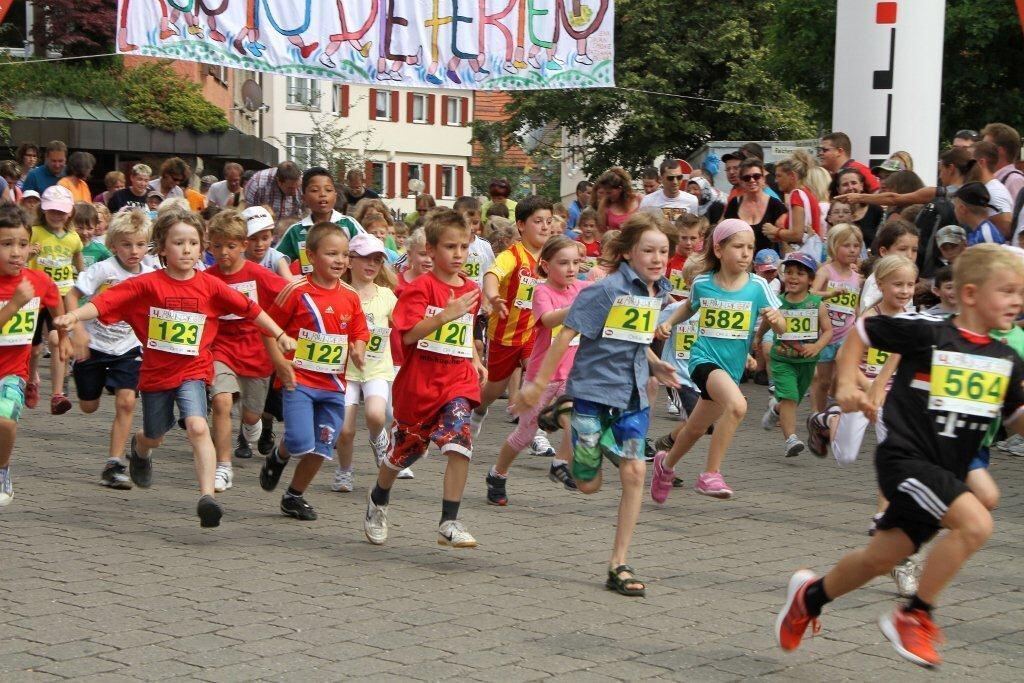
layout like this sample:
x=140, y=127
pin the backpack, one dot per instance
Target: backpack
x=933, y=216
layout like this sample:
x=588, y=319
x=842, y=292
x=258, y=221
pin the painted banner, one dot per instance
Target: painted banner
x=471, y=44
x=888, y=79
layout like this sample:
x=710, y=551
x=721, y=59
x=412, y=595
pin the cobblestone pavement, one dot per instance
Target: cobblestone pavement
x=117, y=585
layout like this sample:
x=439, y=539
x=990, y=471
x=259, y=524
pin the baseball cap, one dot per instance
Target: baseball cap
x=257, y=219
x=974, y=194
x=154, y=193
x=208, y=180
x=732, y=156
x=888, y=166
x=801, y=259
x=765, y=260
x=58, y=198
x=365, y=244
x=950, y=234
x=30, y=193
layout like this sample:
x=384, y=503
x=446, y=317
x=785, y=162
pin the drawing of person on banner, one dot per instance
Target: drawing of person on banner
x=191, y=10
x=167, y=30
x=577, y=22
x=351, y=37
x=399, y=38
x=543, y=28
x=465, y=15
x=252, y=29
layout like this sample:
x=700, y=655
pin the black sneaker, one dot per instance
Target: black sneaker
x=560, y=475
x=209, y=511
x=265, y=444
x=677, y=482
x=297, y=507
x=664, y=443
x=242, y=448
x=140, y=469
x=496, y=491
x=649, y=450
x=115, y=476
x=271, y=471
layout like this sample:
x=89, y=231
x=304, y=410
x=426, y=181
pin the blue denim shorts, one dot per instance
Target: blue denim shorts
x=829, y=353
x=158, y=407
x=312, y=420
x=12, y=397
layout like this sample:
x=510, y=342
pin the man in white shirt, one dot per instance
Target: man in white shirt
x=986, y=157
x=228, y=193
x=1007, y=142
x=670, y=197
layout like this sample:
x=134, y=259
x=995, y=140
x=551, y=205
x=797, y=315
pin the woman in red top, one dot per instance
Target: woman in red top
x=614, y=199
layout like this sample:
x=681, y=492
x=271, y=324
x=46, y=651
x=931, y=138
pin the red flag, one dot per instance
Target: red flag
x=4, y=6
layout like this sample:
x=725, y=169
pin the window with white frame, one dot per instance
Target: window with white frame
x=454, y=117
x=299, y=148
x=303, y=93
x=448, y=182
x=415, y=173
x=379, y=181
x=337, y=98
x=382, y=105
x=420, y=113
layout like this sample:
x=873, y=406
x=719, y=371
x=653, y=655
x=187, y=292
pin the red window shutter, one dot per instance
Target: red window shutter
x=373, y=103
x=444, y=110
x=465, y=111
x=459, y=181
x=440, y=182
x=391, y=180
x=344, y=100
x=430, y=109
x=405, y=180
x=425, y=170
x=394, y=105
x=408, y=107
x=368, y=174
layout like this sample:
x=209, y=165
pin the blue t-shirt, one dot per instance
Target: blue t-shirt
x=986, y=232
x=40, y=178
x=678, y=346
x=726, y=321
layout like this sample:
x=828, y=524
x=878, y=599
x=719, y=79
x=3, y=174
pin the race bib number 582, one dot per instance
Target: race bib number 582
x=725, y=319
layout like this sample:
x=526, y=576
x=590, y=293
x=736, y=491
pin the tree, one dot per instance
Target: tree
x=74, y=27
x=489, y=140
x=712, y=49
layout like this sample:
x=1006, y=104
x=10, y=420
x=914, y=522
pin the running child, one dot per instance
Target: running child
x=109, y=356
x=324, y=315
x=24, y=293
x=953, y=381
x=729, y=301
x=795, y=351
x=260, y=235
x=175, y=313
x=439, y=382
x=688, y=227
x=615, y=320
x=319, y=196
x=241, y=366
x=85, y=220
x=838, y=283
x=559, y=264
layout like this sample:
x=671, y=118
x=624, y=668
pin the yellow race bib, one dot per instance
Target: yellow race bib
x=633, y=319
x=874, y=359
x=725, y=319
x=846, y=302
x=679, y=288
x=60, y=270
x=18, y=331
x=686, y=337
x=472, y=270
x=524, y=295
x=451, y=339
x=801, y=325
x=968, y=384
x=378, y=344
x=320, y=352
x=304, y=265
x=175, y=331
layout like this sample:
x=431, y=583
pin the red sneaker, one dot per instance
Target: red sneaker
x=793, y=620
x=913, y=634
x=32, y=394
x=59, y=404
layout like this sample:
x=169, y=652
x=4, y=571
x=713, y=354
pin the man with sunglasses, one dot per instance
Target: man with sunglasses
x=173, y=172
x=966, y=138
x=671, y=198
x=834, y=156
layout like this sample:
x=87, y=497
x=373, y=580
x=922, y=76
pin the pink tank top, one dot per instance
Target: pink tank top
x=842, y=310
x=614, y=221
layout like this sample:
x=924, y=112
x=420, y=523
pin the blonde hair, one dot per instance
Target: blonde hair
x=693, y=267
x=126, y=223
x=228, y=223
x=800, y=163
x=818, y=181
x=887, y=266
x=977, y=264
x=385, y=276
x=417, y=240
x=174, y=204
x=102, y=211
x=839, y=235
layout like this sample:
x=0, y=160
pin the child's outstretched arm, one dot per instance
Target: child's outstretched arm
x=684, y=312
x=267, y=324
x=23, y=293
x=530, y=392
x=67, y=322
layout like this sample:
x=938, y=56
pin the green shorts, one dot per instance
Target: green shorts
x=12, y=397
x=792, y=380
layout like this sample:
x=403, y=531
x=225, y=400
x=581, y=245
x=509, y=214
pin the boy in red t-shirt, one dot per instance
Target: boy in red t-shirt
x=175, y=314
x=439, y=383
x=23, y=293
x=325, y=316
x=688, y=226
x=240, y=363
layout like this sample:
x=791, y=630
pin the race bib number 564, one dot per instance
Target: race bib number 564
x=968, y=384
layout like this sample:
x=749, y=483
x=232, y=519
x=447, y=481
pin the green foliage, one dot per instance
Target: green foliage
x=152, y=94
x=490, y=138
x=711, y=49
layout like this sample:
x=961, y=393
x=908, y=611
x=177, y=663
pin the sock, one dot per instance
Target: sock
x=276, y=455
x=380, y=496
x=449, y=510
x=815, y=598
x=917, y=603
x=495, y=473
x=223, y=466
x=292, y=493
x=558, y=462
x=122, y=461
x=252, y=433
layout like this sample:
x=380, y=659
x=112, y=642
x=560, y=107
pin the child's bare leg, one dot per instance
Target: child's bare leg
x=455, y=475
x=631, y=473
x=8, y=430
x=305, y=471
x=222, y=403
x=885, y=550
x=203, y=453
x=346, y=439
x=120, y=431
x=58, y=368
x=970, y=526
x=734, y=408
x=787, y=417
x=704, y=415
x=984, y=487
x=820, y=385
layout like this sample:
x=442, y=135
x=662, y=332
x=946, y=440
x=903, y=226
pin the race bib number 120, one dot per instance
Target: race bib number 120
x=633, y=319
x=175, y=331
x=451, y=339
x=968, y=384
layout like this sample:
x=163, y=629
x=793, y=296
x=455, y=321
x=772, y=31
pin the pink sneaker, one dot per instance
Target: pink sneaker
x=710, y=484
x=661, y=478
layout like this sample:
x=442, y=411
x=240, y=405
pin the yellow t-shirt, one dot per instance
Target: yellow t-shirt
x=377, y=362
x=56, y=256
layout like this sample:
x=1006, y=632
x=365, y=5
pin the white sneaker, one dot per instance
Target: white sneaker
x=541, y=446
x=406, y=474
x=375, y=523
x=770, y=419
x=380, y=447
x=673, y=409
x=476, y=422
x=1013, y=445
x=223, y=479
x=327, y=61
x=342, y=481
x=905, y=574
x=794, y=446
x=453, y=533
x=6, y=487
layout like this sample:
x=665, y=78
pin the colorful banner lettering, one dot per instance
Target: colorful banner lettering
x=471, y=44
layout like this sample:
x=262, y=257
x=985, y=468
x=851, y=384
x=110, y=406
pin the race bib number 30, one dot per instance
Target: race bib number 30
x=725, y=319
x=378, y=344
x=801, y=325
x=452, y=338
x=686, y=336
x=320, y=352
x=175, y=331
x=19, y=329
x=633, y=319
x=968, y=384
x=524, y=295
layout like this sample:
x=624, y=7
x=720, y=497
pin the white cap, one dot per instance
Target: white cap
x=30, y=193
x=257, y=219
x=365, y=244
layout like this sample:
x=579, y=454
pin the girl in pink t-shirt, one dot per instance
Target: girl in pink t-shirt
x=560, y=263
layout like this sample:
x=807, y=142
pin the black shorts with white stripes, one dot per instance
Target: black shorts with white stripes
x=919, y=494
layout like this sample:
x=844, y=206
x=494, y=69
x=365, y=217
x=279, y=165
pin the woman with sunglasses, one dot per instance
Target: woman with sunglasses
x=614, y=199
x=755, y=207
x=848, y=187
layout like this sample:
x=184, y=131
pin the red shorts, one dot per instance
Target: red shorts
x=503, y=360
x=449, y=430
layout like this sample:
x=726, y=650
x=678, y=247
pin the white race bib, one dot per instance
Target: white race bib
x=18, y=331
x=246, y=289
x=451, y=339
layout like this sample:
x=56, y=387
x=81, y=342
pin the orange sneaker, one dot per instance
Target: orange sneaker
x=793, y=620
x=913, y=634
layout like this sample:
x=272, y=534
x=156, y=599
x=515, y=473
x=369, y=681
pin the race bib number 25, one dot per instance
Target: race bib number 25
x=19, y=329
